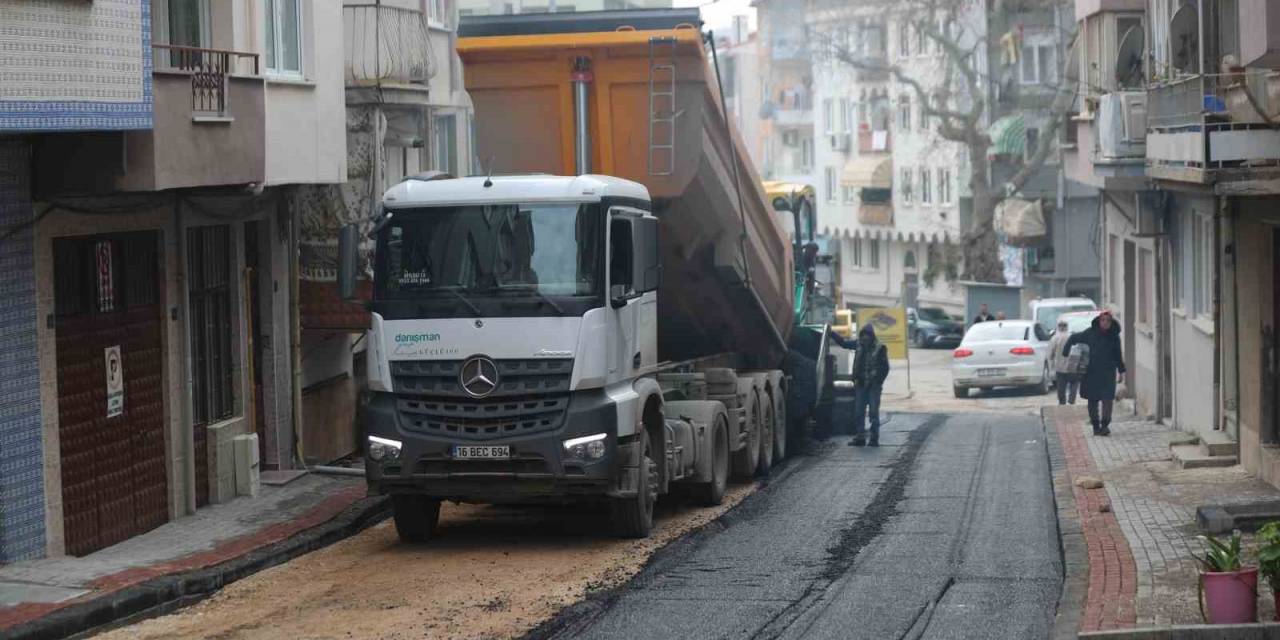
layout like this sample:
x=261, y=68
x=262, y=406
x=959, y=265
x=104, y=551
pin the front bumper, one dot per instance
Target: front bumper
x=538, y=469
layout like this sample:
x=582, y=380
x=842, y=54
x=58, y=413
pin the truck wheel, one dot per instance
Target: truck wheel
x=746, y=458
x=768, y=432
x=710, y=494
x=633, y=517
x=780, y=433
x=416, y=517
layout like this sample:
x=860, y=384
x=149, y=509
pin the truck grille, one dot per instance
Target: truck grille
x=532, y=396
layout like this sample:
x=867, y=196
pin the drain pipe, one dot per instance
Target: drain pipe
x=581, y=77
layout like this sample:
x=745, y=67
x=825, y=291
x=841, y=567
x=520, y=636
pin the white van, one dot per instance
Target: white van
x=1045, y=311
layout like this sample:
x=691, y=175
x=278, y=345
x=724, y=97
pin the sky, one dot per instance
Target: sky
x=718, y=14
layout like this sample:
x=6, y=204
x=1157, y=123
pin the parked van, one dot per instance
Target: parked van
x=1045, y=311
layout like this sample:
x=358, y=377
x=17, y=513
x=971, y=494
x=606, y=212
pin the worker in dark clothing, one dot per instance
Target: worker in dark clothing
x=984, y=315
x=1104, y=371
x=870, y=368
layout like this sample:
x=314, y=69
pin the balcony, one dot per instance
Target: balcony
x=387, y=47
x=1208, y=128
x=209, y=70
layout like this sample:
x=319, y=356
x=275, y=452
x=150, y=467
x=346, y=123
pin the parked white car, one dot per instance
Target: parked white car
x=1008, y=353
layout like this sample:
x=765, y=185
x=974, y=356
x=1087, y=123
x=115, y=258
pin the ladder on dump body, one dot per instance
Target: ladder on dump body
x=662, y=105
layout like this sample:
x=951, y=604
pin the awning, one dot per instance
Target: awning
x=1008, y=136
x=775, y=188
x=875, y=172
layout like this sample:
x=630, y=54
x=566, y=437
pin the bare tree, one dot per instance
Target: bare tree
x=962, y=103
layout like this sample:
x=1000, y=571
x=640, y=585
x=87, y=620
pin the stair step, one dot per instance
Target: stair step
x=1218, y=443
x=1191, y=456
x=1177, y=438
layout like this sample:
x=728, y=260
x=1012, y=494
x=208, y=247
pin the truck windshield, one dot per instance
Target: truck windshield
x=543, y=249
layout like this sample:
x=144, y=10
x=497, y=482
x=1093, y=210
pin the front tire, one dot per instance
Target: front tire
x=633, y=516
x=710, y=494
x=961, y=392
x=416, y=518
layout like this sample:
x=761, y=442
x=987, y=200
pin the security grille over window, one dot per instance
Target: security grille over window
x=531, y=396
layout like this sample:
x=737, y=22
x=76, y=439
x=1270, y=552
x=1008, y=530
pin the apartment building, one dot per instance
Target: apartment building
x=507, y=7
x=157, y=213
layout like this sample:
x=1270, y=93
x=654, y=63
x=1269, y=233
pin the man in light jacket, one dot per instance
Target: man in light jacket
x=1065, y=379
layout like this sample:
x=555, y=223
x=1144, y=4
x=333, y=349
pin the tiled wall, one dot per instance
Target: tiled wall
x=21, y=484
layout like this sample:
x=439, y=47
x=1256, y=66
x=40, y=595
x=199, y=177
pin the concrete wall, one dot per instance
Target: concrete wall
x=1120, y=295
x=1192, y=334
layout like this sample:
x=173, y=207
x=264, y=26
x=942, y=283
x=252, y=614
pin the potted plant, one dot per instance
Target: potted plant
x=1228, y=590
x=1269, y=559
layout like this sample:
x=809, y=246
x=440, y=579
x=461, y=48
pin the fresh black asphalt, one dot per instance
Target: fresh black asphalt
x=948, y=530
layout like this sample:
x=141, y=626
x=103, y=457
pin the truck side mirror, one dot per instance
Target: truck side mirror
x=348, y=259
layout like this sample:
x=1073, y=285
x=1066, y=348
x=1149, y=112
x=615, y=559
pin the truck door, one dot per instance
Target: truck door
x=633, y=278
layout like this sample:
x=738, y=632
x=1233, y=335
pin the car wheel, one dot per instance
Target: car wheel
x=1043, y=387
x=961, y=392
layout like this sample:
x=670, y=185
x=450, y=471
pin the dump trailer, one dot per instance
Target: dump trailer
x=607, y=314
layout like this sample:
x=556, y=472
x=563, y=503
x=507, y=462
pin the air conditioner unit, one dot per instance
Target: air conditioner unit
x=1149, y=213
x=840, y=141
x=1133, y=111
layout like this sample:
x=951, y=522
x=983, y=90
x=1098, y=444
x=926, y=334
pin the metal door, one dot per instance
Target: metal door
x=108, y=300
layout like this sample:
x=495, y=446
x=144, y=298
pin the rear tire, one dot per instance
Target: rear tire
x=747, y=458
x=781, y=432
x=961, y=392
x=768, y=432
x=1043, y=387
x=416, y=518
x=710, y=494
x=633, y=517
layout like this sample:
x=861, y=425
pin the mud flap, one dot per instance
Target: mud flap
x=627, y=482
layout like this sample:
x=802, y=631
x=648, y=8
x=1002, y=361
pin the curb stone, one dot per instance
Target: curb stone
x=169, y=593
x=1073, y=549
x=1192, y=632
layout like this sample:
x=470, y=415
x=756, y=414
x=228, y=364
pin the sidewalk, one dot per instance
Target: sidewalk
x=1128, y=544
x=183, y=560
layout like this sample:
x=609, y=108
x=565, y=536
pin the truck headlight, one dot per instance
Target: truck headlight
x=383, y=448
x=586, y=448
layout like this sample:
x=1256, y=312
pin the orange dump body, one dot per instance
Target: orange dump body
x=727, y=269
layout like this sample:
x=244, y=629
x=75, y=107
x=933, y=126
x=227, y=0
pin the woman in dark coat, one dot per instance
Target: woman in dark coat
x=1105, y=369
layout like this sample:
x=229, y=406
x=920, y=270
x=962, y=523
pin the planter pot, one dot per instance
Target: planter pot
x=1231, y=597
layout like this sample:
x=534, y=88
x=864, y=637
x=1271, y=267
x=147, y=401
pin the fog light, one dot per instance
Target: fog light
x=586, y=448
x=383, y=448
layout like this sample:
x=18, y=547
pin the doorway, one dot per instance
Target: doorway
x=108, y=322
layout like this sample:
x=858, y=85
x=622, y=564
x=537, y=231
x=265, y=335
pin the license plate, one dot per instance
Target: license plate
x=990, y=373
x=481, y=452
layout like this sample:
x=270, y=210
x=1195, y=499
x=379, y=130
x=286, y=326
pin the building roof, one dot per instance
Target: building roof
x=511, y=189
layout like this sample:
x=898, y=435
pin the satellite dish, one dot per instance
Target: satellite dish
x=1184, y=39
x=1129, y=59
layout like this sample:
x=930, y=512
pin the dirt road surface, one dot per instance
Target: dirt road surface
x=495, y=572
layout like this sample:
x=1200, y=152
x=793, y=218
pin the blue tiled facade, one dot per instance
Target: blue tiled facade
x=22, y=533
x=87, y=115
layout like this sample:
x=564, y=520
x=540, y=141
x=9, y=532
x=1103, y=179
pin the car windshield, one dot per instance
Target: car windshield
x=1047, y=317
x=1076, y=324
x=994, y=331
x=933, y=314
x=551, y=249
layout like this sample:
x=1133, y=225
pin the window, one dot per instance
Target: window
x=926, y=186
x=1145, y=311
x=906, y=185
x=445, y=143
x=829, y=174
x=1039, y=61
x=904, y=40
x=284, y=51
x=944, y=186
x=1033, y=143
x=828, y=115
x=861, y=118
x=209, y=309
x=1113, y=269
x=844, y=115
x=875, y=253
x=904, y=113
x=850, y=193
x=925, y=120
x=437, y=12
x=806, y=154
x=1202, y=256
x=857, y=252
x=922, y=43
x=188, y=22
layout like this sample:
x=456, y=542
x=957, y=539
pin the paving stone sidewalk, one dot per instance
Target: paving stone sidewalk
x=188, y=557
x=1147, y=576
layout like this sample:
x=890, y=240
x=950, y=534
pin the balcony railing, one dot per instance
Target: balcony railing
x=1186, y=102
x=1212, y=122
x=386, y=45
x=209, y=69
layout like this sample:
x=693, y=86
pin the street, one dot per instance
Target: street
x=946, y=530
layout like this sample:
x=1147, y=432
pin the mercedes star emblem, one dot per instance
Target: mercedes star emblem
x=478, y=376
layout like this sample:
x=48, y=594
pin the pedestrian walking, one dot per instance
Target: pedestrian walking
x=984, y=315
x=870, y=368
x=1104, y=371
x=1065, y=377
